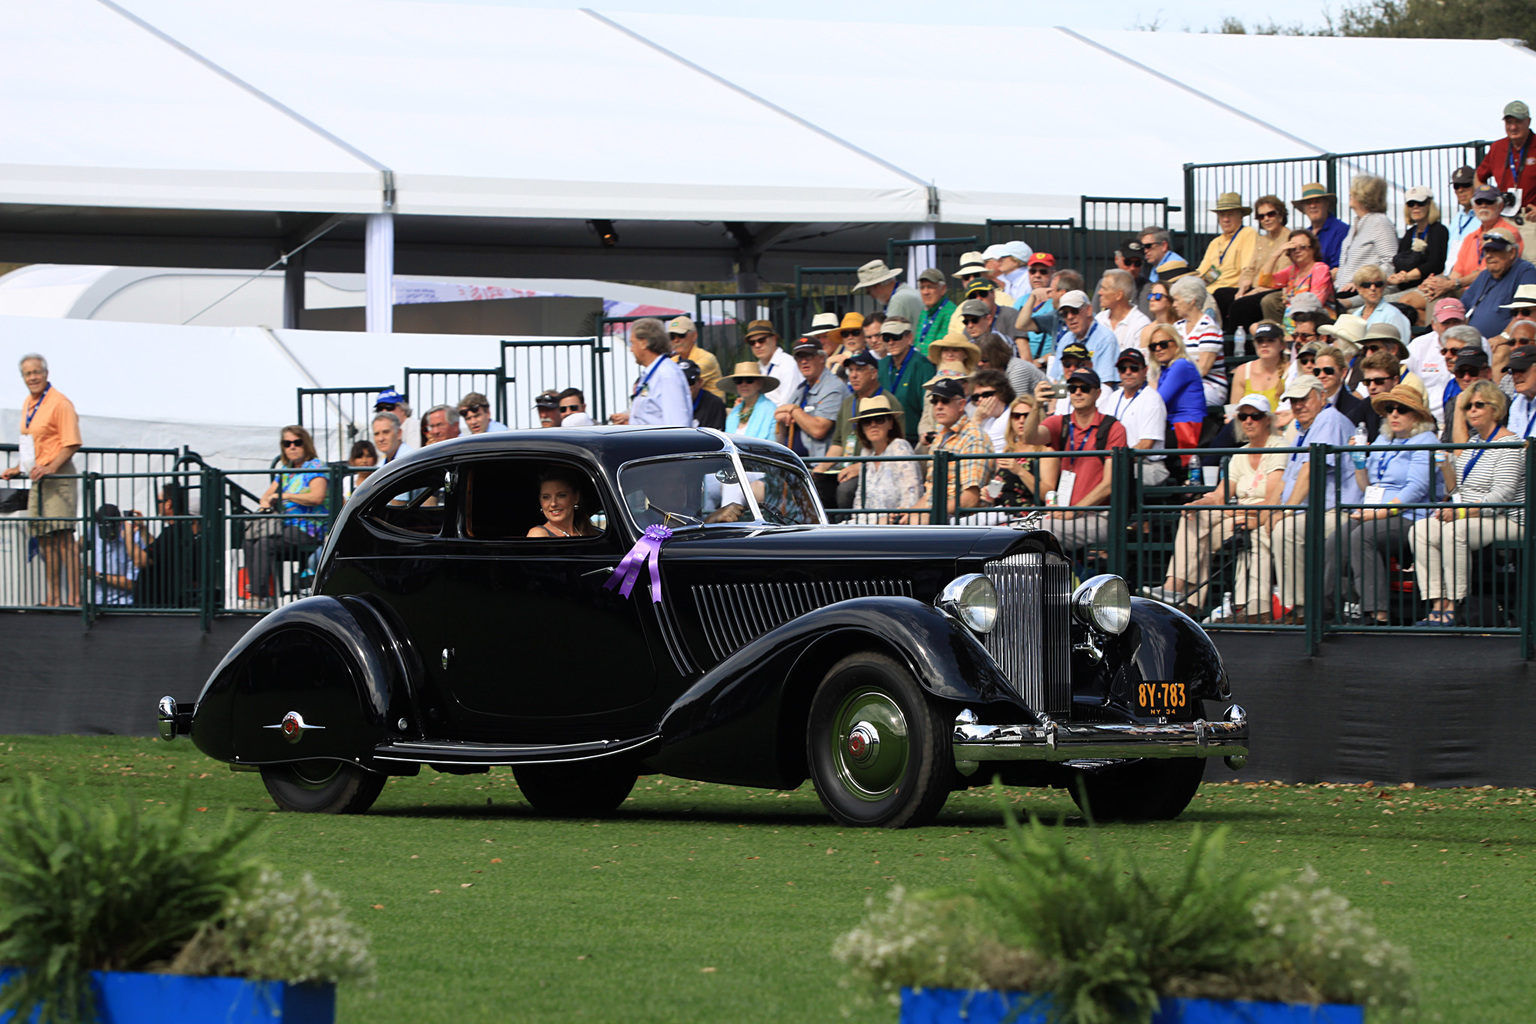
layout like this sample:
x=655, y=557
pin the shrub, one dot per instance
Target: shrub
x=1108, y=941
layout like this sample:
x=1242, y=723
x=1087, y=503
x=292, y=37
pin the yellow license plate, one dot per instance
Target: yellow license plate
x=1160, y=699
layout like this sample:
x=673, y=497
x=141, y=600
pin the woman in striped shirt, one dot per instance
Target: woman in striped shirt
x=1443, y=542
x=1201, y=329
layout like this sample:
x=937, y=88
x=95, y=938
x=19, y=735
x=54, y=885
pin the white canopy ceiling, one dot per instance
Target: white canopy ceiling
x=477, y=109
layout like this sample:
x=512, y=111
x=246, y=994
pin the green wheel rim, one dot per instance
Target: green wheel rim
x=870, y=745
x=315, y=774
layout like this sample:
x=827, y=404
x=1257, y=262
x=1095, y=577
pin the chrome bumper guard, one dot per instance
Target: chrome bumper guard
x=1049, y=740
x=173, y=720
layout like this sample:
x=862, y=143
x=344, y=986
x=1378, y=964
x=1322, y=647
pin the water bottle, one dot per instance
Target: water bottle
x=1240, y=342
x=1195, y=476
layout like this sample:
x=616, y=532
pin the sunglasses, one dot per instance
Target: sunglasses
x=1467, y=371
x=1018, y=415
x=1371, y=382
x=1371, y=284
x=1073, y=310
x=1461, y=188
x=1252, y=415
x=385, y=407
x=468, y=409
x=1305, y=337
x=1486, y=202
x=294, y=443
x=970, y=319
x=1479, y=405
x=1265, y=214
x=570, y=408
x=1326, y=371
x=1416, y=203
x=1078, y=389
x=978, y=395
x=941, y=400
x=1158, y=346
x=1157, y=295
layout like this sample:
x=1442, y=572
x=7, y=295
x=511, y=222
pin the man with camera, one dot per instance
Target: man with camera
x=1487, y=205
x=1510, y=166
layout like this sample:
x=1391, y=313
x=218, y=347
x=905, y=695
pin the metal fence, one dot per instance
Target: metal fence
x=1402, y=169
x=1087, y=243
x=338, y=417
x=918, y=254
x=529, y=367
x=826, y=290
x=432, y=387
x=722, y=321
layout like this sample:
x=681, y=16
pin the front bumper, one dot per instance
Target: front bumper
x=172, y=719
x=1049, y=740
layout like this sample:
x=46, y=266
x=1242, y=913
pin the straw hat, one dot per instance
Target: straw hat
x=881, y=405
x=1347, y=332
x=1313, y=190
x=1406, y=397
x=748, y=370
x=875, y=272
x=1228, y=201
x=960, y=341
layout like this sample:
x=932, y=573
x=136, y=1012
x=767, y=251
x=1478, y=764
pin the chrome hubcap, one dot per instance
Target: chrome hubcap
x=870, y=746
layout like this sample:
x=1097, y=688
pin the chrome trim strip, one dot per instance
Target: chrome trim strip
x=1049, y=740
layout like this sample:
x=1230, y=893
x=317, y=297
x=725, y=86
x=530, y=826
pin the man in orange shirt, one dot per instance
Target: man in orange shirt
x=1487, y=204
x=50, y=436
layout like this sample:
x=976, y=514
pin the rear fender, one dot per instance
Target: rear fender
x=743, y=722
x=333, y=662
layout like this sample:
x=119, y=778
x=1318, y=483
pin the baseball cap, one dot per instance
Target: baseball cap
x=680, y=325
x=896, y=326
x=1131, y=355
x=865, y=358
x=1418, y=194
x=1471, y=359
x=551, y=400
x=1450, y=309
x=1302, y=386
x=1018, y=250
x=1254, y=400
x=933, y=275
x=852, y=321
x=974, y=307
x=1076, y=350
x=1498, y=240
x=691, y=372
x=1522, y=358
x=1075, y=299
x=1268, y=330
x=1084, y=376
x=1043, y=257
x=758, y=328
x=947, y=388
x=807, y=347
x=980, y=286
x=1304, y=302
x=1517, y=109
x=1463, y=176
x=389, y=396
x=1130, y=249
x=994, y=251
x=1487, y=192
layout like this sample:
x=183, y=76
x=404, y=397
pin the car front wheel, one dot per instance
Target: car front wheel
x=1144, y=790
x=879, y=751
x=322, y=787
x=580, y=789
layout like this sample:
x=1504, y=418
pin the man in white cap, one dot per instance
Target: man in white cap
x=685, y=345
x=895, y=300
x=1011, y=270
x=1082, y=329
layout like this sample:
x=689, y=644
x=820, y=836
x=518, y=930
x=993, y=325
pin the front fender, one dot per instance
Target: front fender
x=1171, y=646
x=744, y=721
x=331, y=660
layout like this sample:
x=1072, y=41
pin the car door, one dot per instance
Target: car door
x=538, y=650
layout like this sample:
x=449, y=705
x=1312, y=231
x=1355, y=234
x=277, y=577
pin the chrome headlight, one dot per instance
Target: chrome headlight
x=973, y=600
x=1104, y=602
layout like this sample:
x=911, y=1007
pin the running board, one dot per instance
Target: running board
x=450, y=752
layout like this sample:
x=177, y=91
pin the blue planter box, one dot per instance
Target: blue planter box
x=127, y=998
x=953, y=1006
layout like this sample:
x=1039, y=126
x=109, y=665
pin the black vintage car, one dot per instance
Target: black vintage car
x=890, y=665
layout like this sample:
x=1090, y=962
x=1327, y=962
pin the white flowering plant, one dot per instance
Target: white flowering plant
x=1107, y=941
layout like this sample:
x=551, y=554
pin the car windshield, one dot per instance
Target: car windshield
x=696, y=490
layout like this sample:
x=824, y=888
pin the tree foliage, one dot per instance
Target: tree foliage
x=1411, y=19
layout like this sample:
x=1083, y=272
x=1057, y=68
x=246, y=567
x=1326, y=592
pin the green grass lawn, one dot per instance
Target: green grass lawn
x=704, y=902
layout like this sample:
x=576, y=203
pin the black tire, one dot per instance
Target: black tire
x=878, y=748
x=1143, y=790
x=581, y=789
x=322, y=787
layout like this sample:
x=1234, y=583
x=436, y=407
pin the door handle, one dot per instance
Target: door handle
x=447, y=653
x=594, y=572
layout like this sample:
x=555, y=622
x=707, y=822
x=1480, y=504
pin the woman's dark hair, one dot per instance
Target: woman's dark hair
x=1311, y=240
x=362, y=450
x=863, y=439
x=107, y=522
x=308, y=451
x=580, y=517
x=173, y=492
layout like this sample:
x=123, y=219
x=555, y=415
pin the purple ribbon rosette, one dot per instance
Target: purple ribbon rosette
x=647, y=550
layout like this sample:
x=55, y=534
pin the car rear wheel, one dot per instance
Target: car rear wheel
x=1143, y=790
x=879, y=751
x=322, y=787
x=581, y=789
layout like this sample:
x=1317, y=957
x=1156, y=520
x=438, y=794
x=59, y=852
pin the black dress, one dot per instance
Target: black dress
x=1430, y=259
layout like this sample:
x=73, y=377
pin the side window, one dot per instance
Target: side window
x=416, y=504
x=529, y=499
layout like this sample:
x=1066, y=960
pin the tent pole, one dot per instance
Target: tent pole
x=920, y=257
x=293, y=291
x=379, y=269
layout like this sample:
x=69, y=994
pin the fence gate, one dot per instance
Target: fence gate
x=336, y=417
x=432, y=387
x=723, y=319
x=1109, y=220
x=529, y=367
x=918, y=254
x=826, y=290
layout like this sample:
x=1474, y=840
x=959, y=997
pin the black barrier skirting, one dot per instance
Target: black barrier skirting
x=1431, y=710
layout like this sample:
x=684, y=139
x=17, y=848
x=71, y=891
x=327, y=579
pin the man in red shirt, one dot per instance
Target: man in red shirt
x=1079, y=482
x=1511, y=161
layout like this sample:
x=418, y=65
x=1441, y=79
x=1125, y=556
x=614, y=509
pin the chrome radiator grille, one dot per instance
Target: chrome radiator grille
x=735, y=614
x=1032, y=641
